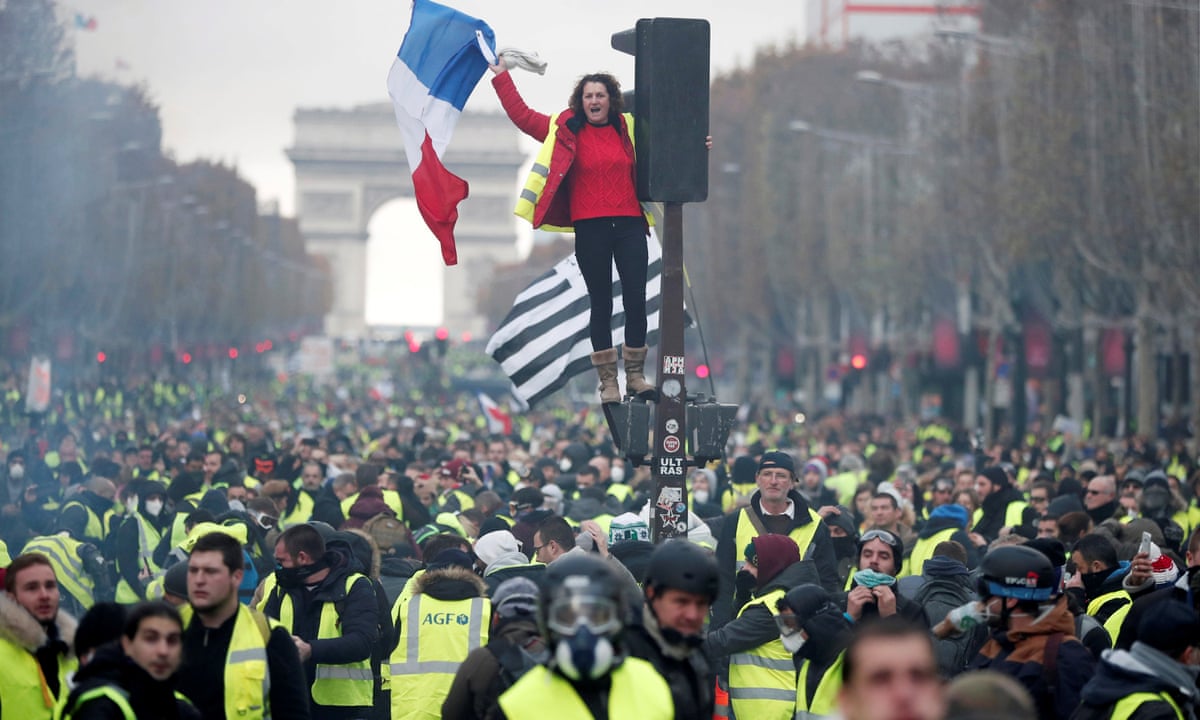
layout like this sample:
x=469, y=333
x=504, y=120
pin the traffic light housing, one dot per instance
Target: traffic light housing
x=671, y=83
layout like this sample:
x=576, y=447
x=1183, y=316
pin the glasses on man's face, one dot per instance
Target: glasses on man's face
x=1039, y=500
x=1096, y=492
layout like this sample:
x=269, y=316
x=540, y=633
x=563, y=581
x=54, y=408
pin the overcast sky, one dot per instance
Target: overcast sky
x=228, y=74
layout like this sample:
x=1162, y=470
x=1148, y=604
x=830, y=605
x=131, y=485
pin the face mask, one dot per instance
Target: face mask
x=617, y=474
x=584, y=656
x=1154, y=500
x=1049, y=464
x=844, y=547
x=153, y=507
x=294, y=577
x=700, y=496
x=873, y=578
x=564, y=465
x=1092, y=582
x=792, y=643
x=16, y=472
x=132, y=504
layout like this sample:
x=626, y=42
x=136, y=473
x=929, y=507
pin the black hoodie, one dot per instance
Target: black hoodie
x=148, y=697
x=995, y=510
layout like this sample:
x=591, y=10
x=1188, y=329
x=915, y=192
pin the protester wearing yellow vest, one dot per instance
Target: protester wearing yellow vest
x=889, y=670
x=1001, y=506
x=237, y=663
x=135, y=679
x=1097, y=582
x=776, y=507
x=76, y=566
x=137, y=539
x=946, y=522
x=84, y=515
x=581, y=613
x=816, y=632
x=762, y=677
x=583, y=180
x=31, y=685
x=333, y=615
x=1156, y=677
x=446, y=617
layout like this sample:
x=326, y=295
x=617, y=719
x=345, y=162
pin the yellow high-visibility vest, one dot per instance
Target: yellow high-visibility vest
x=762, y=680
x=803, y=535
x=435, y=637
x=346, y=685
x=63, y=553
x=247, y=673
x=636, y=690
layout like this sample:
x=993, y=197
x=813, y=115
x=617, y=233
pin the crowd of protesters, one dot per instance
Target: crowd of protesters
x=336, y=552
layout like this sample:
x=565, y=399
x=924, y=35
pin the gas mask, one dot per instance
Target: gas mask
x=582, y=627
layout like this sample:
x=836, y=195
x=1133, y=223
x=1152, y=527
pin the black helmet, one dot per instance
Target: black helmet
x=681, y=565
x=1016, y=571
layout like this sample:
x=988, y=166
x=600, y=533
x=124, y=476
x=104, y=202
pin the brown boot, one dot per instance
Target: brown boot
x=605, y=362
x=635, y=378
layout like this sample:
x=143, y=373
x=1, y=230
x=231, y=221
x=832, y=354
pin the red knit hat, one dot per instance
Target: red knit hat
x=773, y=554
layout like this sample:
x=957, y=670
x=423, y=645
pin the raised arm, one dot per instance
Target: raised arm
x=529, y=121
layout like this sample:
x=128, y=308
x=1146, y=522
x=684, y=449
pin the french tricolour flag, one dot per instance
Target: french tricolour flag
x=442, y=57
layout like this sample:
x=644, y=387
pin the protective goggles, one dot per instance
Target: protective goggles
x=788, y=624
x=567, y=615
x=887, y=537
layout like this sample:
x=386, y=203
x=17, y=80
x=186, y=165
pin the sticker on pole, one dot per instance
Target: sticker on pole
x=671, y=443
x=672, y=425
x=673, y=365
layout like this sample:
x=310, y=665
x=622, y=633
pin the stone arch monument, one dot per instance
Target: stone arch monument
x=350, y=162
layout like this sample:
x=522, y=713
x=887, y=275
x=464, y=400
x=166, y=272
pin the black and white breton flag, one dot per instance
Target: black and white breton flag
x=544, y=341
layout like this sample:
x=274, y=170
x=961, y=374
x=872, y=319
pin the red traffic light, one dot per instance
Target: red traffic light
x=414, y=346
x=233, y=353
x=466, y=337
x=701, y=371
x=101, y=357
x=442, y=334
x=186, y=358
x=858, y=361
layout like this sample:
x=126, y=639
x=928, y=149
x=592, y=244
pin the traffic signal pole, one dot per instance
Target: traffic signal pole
x=669, y=512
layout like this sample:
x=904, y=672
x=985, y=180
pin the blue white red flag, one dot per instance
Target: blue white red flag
x=442, y=57
x=499, y=421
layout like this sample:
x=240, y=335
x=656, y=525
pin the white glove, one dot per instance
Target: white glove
x=966, y=617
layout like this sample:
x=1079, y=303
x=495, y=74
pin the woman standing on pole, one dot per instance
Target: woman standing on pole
x=584, y=180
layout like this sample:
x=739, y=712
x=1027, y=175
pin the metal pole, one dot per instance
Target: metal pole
x=669, y=512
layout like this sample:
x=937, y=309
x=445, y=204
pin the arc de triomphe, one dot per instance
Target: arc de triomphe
x=350, y=162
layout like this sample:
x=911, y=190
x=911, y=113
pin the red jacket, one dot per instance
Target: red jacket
x=552, y=207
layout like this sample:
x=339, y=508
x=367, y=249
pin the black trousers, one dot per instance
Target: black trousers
x=598, y=243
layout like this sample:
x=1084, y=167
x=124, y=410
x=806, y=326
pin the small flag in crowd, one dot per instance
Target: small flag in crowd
x=85, y=22
x=499, y=421
x=442, y=57
x=544, y=341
